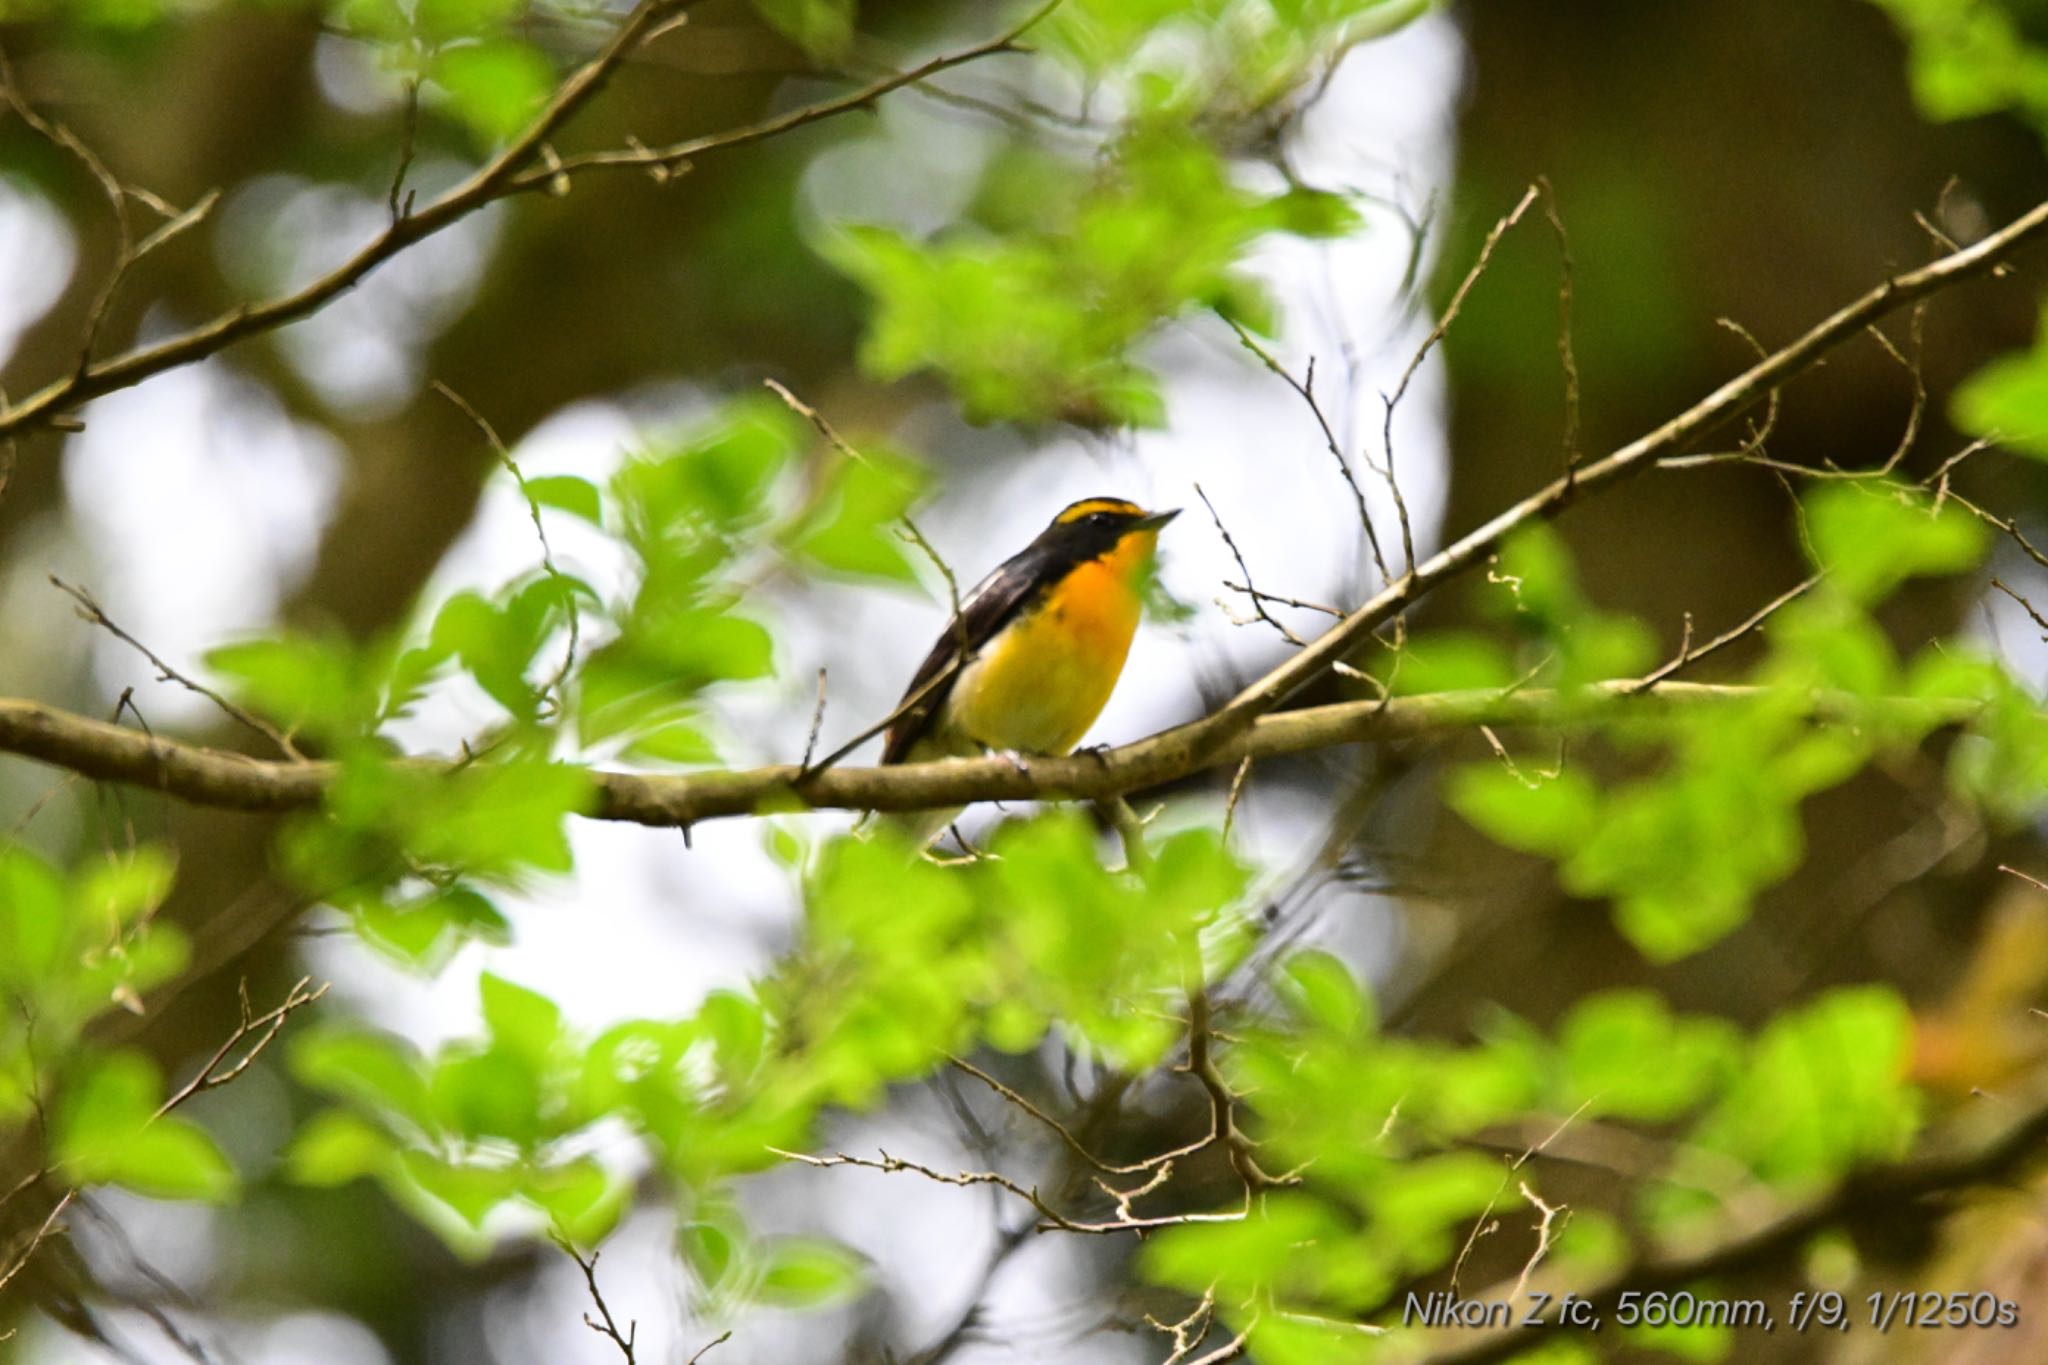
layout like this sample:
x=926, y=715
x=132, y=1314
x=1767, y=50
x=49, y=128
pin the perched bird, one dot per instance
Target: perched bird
x=1037, y=648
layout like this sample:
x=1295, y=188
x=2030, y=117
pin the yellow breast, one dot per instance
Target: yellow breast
x=1041, y=682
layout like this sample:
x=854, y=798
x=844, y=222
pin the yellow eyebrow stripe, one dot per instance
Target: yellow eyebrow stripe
x=1089, y=506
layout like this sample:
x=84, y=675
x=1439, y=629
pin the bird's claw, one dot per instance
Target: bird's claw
x=1016, y=760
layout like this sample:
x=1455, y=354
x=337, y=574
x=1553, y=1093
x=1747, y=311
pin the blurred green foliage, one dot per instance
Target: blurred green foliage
x=1682, y=852
x=1039, y=313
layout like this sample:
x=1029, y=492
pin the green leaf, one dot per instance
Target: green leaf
x=376, y=1070
x=1823, y=1090
x=802, y=1272
x=582, y=1200
x=1549, y=814
x=1625, y=1054
x=424, y=932
x=107, y=1132
x=442, y=20
x=1326, y=993
x=334, y=1147
x=680, y=501
x=702, y=647
x=523, y=1022
x=1450, y=661
x=127, y=886
x=381, y=20
x=2007, y=401
x=38, y=934
x=678, y=741
x=854, y=528
x=567, y=493
x=489, y=1094
x=711, y=1245
x=1041, y=310
x=1240, y=1258
x=1870, y=538
x=497, y=819
x=495, y=86
x=822, y=28
x=301, y=682
x=471, y=1191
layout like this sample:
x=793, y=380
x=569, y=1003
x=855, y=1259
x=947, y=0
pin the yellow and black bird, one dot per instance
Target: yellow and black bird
x=1038, y=646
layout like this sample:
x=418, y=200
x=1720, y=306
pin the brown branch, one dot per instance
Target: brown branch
x=1305, y=389
x=609, y=1327
x=215, y=777
x=1690, y=654
x=552, y=689
x=1724, y=403
x=90, y=609
x=1437, y=332
x=263, y=1026
x=1051, y=1218
x=509, y=173
x=1258, y=599
x=667, y=161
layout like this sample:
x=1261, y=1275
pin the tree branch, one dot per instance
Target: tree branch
x=506, y=174
x=1731, y=399
x=217, y=777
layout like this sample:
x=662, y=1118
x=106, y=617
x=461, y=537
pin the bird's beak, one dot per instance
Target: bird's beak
x=1152, y=521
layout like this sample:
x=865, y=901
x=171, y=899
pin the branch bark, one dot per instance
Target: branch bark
x=510, y=172
x=1728, y=401
x=220, y=778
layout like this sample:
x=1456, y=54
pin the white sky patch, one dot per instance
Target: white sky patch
x=37, y=254
x=364, y=351
x=352, y=77
x=202, y=504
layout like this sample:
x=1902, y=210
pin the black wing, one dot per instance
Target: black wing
x=987, y=609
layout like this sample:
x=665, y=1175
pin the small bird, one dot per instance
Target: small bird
x=1037, y=648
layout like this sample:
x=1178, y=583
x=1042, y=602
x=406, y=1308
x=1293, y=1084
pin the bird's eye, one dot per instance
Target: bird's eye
x=1100, y=519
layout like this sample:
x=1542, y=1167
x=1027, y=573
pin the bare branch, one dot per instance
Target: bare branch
x=264, y=1027
x=510, y=172
x=90, y=609
x=608, y=1327
x=553, y=687
x=216, y=777
x=1050, y=1217
x=1724, y=403
x=1899, y=1190
x=1258, y=599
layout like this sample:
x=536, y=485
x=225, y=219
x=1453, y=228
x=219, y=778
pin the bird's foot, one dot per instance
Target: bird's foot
x=1015, y=760
x=1098, y=752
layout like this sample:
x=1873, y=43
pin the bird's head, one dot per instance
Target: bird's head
x=1114, y=530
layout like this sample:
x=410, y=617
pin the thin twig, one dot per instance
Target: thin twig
x=1258, y=599
x=608, y=1327
x=1689, y=655
x=264, y=1027
x=503, y=175
x=1436, y=334
x=90, y=609
x=1306, y=389
x=555, y=684
x=817, y=723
